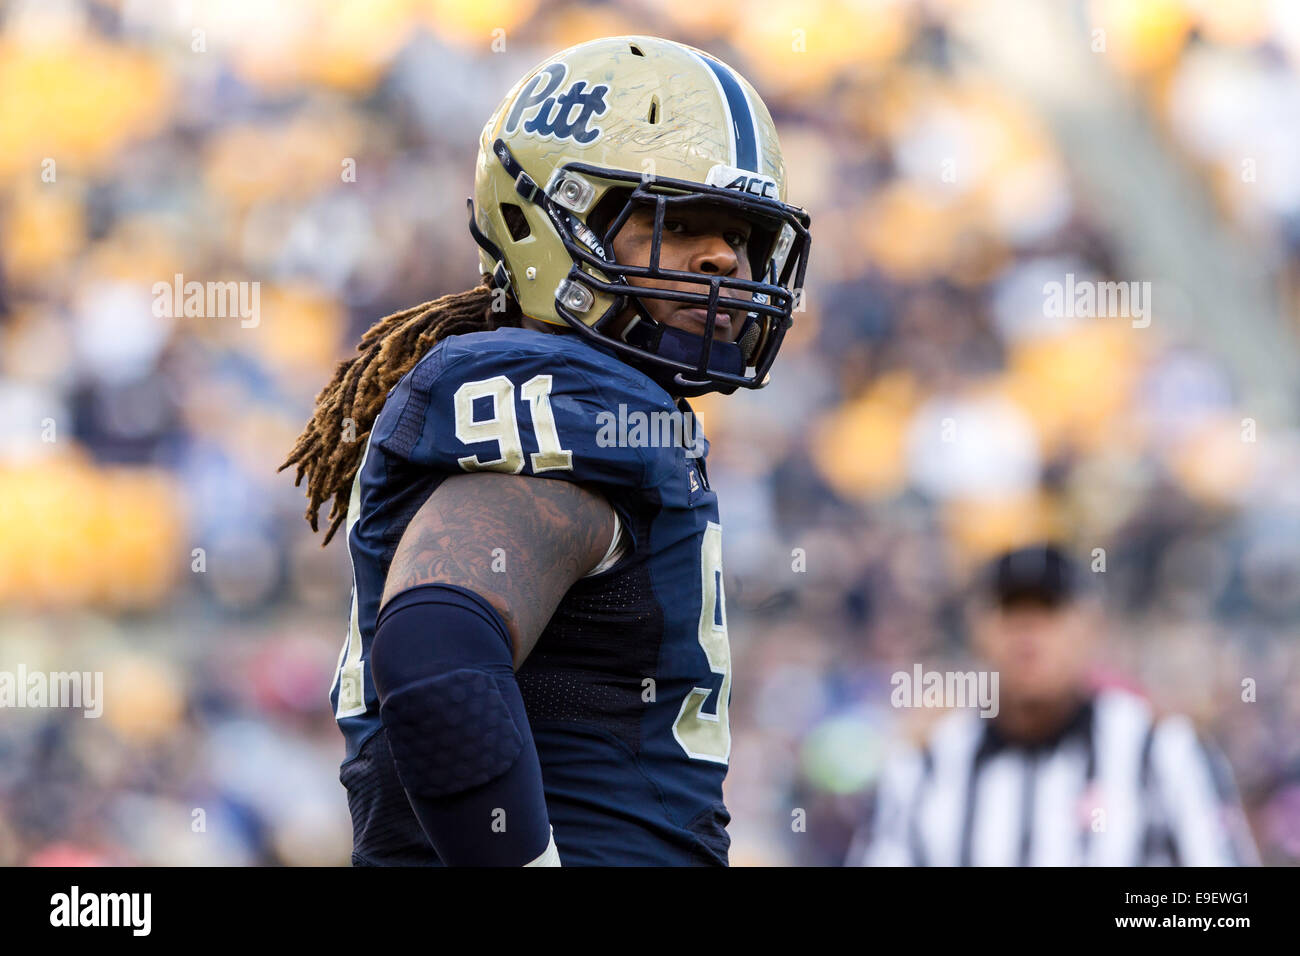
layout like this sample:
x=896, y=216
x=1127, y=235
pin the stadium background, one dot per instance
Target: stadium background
x=954, y=156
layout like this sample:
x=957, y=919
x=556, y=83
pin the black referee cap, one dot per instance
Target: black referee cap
x=1044, y=573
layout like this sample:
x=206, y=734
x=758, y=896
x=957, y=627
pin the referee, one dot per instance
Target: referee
x=1064, y=774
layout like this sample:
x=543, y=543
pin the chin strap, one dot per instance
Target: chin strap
x=682, y=346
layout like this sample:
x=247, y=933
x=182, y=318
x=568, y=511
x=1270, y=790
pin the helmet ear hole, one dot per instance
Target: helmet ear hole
x=515, y=221
x=762, y=242
x=610, y=205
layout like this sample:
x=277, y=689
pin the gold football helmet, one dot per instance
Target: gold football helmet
x=611, y=125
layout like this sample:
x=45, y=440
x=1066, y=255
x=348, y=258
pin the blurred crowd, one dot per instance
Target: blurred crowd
x=925, y=412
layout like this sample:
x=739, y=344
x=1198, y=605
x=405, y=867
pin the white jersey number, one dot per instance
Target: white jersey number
x=702, y=735
x=502, y=426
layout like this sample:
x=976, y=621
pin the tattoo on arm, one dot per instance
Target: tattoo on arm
x=519, y=542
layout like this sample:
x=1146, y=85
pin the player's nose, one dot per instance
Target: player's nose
x=713, y=254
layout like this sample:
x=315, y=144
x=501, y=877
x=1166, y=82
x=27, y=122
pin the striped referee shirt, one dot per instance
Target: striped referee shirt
x=1114, y=787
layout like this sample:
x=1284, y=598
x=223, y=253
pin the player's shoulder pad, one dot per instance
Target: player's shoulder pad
x=525, y=402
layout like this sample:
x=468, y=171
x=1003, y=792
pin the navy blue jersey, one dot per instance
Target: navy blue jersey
x=628, y=686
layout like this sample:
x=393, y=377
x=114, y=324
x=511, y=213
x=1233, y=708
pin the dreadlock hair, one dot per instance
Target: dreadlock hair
x=360, y=385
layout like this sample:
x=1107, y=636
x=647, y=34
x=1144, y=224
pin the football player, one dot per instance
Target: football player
x=537, y=667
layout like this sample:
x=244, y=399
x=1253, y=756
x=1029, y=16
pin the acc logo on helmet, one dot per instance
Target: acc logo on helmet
x=743, y=180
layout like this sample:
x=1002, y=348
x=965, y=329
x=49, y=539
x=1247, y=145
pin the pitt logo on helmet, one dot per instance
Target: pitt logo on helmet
x=551, y=119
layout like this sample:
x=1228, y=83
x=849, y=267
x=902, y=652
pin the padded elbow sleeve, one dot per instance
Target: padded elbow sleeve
x=457, y=728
